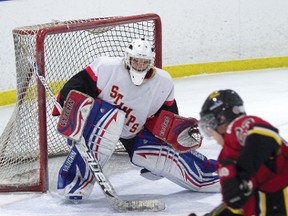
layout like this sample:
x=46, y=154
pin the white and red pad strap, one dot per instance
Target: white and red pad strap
x=74, y=115
x=180, y=132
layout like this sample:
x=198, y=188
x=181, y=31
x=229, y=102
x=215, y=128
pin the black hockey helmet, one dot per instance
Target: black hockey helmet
x=220, y=107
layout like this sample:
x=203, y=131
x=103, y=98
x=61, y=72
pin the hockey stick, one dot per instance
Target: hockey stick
x=115, y=201
x=215, y=212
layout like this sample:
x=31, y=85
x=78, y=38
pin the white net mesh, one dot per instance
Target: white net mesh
x=61, y=49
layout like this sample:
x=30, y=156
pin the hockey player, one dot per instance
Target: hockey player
x=253, y=161
x=134, y=85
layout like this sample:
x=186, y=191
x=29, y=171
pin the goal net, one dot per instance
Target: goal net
x=60, y=49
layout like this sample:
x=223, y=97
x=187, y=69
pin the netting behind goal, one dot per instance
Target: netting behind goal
x=60, y=49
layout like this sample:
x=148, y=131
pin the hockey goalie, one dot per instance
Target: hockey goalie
x=128, y=99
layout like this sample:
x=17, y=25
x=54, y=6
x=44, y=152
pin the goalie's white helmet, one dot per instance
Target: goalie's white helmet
x=140, y=57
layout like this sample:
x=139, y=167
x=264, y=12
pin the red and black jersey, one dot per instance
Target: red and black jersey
x=258, y=149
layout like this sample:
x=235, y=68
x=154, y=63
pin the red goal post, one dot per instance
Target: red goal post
x=60, y=49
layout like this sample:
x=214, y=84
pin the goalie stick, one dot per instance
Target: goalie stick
x=217, y=211
x=114, y=200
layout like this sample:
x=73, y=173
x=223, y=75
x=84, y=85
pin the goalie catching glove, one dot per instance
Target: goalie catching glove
x=179, y=132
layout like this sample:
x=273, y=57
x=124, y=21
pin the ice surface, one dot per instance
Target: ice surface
x=265, y=94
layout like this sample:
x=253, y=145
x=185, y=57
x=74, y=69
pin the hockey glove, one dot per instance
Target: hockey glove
x=235, y=191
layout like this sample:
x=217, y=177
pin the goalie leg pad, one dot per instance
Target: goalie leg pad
x=75, y=180
x=103, y=129
x=191, y=170
x=101, y=132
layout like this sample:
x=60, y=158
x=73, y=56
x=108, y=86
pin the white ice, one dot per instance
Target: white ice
x=265, y=94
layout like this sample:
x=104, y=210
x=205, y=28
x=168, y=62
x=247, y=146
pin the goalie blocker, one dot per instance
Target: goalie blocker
x=101, y=124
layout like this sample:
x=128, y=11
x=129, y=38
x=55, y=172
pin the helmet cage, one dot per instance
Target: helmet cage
x=207, y=123
x=137, y=75
x=210, y=121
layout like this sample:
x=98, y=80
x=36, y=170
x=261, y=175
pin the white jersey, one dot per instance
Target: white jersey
x=139, y=102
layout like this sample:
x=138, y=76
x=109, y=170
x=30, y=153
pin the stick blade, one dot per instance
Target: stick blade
x=139, y=205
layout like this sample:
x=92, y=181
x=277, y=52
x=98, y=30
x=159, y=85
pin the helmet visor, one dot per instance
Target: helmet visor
x=207, y=123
